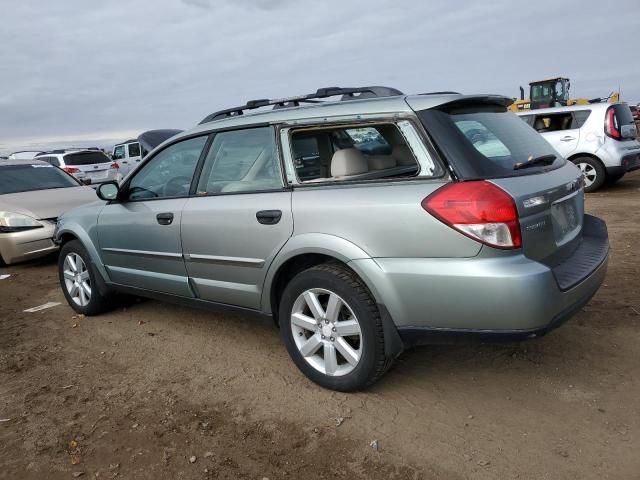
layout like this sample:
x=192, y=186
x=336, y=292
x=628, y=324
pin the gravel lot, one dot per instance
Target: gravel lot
x=160, y=391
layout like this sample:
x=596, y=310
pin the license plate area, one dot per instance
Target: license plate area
x=567, y=215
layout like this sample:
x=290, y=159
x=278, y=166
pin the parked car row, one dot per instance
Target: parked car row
x=362, y=226
x=599, y=138
x=91, y=166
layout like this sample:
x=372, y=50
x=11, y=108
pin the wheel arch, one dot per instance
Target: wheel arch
x=300, y=253
x=68, y=233
x=575, y=156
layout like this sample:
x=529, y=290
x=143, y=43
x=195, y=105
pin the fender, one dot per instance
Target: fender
x=319, y=243
x=74, y=229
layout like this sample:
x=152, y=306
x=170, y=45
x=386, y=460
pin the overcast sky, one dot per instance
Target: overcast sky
x=78, y=72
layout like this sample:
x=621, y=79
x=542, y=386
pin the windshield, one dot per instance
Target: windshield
x=85, y=158
x=485, y=144
x=28, y=178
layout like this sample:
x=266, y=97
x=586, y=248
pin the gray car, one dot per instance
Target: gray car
x=362, y=226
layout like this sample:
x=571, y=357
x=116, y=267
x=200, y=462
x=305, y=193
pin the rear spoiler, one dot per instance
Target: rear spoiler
x=455, y=101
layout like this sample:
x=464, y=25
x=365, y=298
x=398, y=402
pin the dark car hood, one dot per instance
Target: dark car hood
x=152, y=138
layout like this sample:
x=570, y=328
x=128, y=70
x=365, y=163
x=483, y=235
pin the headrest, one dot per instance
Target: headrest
x=539, y=124
x=402, y=154
x=381, y=162
x=348, y=161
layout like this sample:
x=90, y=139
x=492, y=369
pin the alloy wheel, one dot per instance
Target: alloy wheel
x=76, y=279
x=589, y=173
x=326, y=332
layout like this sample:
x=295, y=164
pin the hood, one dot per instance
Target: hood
x=152, y=138
x=51, y=203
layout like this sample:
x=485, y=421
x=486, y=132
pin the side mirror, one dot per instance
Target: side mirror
x=108, y=191
x=628, y=131
x=86, y=181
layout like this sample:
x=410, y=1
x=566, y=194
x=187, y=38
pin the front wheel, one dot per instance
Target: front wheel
x=78, y=280
x=593, y=173
x=332, y=328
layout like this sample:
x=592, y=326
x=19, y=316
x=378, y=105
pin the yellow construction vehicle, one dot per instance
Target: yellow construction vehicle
x=554, y=92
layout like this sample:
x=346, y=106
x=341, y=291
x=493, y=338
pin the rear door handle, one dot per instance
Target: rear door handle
x=165, y=218
x=269, y=217
x=567, y=139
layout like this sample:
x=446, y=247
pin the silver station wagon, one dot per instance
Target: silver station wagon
x=363, y=220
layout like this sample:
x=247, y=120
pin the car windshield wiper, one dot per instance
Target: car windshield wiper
x=533, y=161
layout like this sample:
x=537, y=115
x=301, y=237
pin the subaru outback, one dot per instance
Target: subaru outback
x=362, y=225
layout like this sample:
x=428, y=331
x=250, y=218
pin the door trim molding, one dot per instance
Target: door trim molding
x=242, y=261
x=142, y=252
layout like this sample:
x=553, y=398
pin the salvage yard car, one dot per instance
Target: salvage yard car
x=89, y=165
x=599, y=138
x=32, y=195
x=363, y=226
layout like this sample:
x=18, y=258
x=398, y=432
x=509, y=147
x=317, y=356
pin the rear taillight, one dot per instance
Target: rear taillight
x=71, y=170
x=114, y=165
x=610, y=127
x=478, y=209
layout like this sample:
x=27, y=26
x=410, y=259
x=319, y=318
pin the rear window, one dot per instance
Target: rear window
x=487, y=142
x=623, y=114
x=27, y=178
x=85, y=158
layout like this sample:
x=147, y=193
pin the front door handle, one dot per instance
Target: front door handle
x=165, y=218
x=269, y=217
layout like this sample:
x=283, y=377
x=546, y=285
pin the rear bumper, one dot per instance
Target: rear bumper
x=505, y=297
x=628, y=163
x=20, y=246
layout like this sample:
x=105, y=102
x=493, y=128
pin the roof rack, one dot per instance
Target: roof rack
x=287, y=102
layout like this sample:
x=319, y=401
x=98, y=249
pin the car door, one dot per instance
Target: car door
x=139, y=236
x=133, y=155
x=120, y=157
x=239, y=219
x=560, y=130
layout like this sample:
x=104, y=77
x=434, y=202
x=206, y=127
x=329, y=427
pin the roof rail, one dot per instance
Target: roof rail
x=444, y=92
x=287, y=102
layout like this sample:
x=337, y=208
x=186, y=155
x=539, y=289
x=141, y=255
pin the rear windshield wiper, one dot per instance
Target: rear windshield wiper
x=533, y=161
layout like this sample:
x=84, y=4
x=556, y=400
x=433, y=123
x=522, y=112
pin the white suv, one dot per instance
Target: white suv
x=89, y=166
x=127, y=154
x=599, y=138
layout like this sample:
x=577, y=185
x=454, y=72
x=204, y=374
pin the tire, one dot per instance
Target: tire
x=80, y=290
x=355, y=324
x=593, y=172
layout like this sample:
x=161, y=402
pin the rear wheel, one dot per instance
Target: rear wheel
x=592, y=171
x=332, y=329
x=78, y=280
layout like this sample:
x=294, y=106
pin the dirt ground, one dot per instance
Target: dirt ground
x=159, y=391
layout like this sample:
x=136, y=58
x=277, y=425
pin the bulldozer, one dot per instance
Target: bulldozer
x=554, y=92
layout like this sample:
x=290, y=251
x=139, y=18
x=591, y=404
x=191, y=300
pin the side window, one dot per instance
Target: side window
x=169, y=173
x=118, y=152
x=580, y=117
x=528, y=119
x=134, y=149
x=241, y=161
x=359, y=152
x=554, y=123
